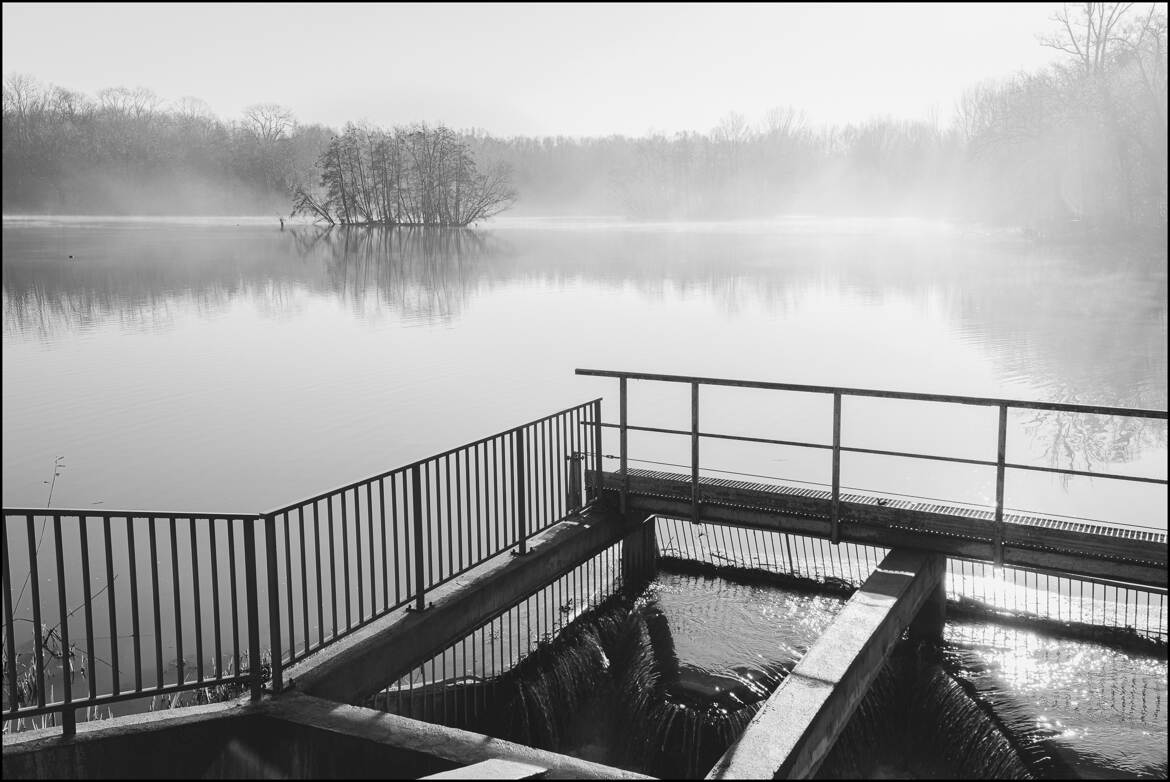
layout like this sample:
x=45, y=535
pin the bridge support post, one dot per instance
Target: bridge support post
x=928, y=625
x=640, y=554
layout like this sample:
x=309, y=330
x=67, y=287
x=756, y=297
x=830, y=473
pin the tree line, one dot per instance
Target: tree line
x=1079, y=146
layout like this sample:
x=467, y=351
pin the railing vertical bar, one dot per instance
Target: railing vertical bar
x=317, y=562
x=434, y=521
x=113, y=607
x=548, y=475
x=359, y=581
x=428, y=527
x=274, y=636
x=288, y=587
x=999, y=485
x=195, y=598
x=332, y=562
x=492, y=475
x=158, y=658
x=521, y=496
x=451, y=567
x=533, y=481
x=252, y=598
x=542, y=480
x=68, y=715
x=623, y=452
x=695, y=453
x=9, y=628
x=87, y=596
x=479, y=531
x=370, y=543
x=304, y=576
x=345, y=559
x=459, y=512
x=38, y=638
x=551, y=473
x=498, y=483
x=836, y=512
x=235, y=594
x=394, y=529
x=597, y=446
x=382, y=535
x=180, y=663
x=416, y=497
x=213, y=549
x=566, y=428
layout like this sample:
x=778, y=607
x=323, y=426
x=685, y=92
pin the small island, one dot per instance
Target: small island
x=406, y=176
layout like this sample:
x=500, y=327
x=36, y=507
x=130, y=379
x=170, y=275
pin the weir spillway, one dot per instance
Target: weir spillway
x=352, y=589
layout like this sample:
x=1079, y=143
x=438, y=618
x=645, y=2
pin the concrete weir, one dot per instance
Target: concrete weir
x=795, y=730
x=358, y=667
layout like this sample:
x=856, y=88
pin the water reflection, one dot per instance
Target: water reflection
x=919, y=310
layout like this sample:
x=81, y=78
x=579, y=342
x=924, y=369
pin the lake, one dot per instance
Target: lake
x=227, y=365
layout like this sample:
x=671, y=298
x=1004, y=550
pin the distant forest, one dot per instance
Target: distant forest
x=1078, y=146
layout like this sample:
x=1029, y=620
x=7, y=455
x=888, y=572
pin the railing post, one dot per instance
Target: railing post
x=836, y=513
x=252, y=593
x=1000, y=470
x=275, y=644
x=416, y=489
x=624, y=466
x=68, y=714
x=573, y=491
x=597, y=456
x=695, y=453
x=521, y=497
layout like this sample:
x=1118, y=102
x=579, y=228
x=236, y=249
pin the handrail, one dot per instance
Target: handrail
x=837, y=448
x=870, y=392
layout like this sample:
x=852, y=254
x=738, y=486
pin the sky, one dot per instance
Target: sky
x=576, y=70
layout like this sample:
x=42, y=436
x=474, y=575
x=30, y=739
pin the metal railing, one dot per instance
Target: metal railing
x=198, y=585
x=1000, y=463
x=352, y=554
x=138, y=574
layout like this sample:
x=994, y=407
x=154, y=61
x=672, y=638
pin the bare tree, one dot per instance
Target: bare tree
x=269, y=121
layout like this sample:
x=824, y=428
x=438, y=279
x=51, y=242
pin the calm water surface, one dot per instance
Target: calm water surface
x=225, y=365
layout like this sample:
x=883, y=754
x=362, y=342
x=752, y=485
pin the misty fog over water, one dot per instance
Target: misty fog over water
x=274, y=364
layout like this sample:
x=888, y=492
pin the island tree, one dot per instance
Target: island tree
x=414, y=175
